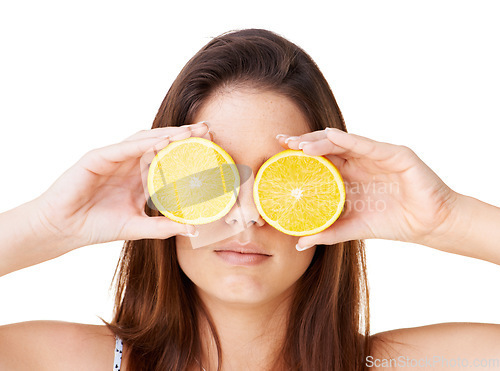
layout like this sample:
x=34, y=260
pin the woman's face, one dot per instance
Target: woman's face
x=245, y=124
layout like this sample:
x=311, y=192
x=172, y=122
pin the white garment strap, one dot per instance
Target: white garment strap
x=118, y=354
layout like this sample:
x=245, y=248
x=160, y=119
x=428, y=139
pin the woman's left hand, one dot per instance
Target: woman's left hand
x=390, y=192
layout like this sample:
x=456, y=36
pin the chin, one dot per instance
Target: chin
x=239, y=290
x=241, y=300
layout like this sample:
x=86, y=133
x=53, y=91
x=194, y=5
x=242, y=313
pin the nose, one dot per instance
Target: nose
x=244, y=213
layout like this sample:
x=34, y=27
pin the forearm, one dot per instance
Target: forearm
x=473, y=231
x=24, y=241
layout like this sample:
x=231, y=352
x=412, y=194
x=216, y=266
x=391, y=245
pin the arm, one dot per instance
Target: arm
x=55, y=345
x=443, y=346
x=25, y=241
x=472, y=230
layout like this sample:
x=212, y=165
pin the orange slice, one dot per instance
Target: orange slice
x=299, y=194
x=193, y=181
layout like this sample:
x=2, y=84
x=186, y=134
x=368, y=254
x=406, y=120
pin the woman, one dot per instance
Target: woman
x=178, y=307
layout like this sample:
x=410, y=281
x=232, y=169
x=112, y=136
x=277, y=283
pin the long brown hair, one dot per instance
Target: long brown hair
x=156, y=304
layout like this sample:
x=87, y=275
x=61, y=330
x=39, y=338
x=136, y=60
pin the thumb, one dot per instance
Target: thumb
x=155, y=227
x=344, y=229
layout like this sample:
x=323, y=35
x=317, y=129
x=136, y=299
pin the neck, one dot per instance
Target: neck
x=250, y=335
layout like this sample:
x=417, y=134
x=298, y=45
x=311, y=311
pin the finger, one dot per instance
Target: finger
x=168, y=131
x=145, y=163
x=281, y=141
x=158, y=132
x=324, y=147
x=104, y=160
x=337, y=161
x=292, y=142
x=139, y=191
x=201, y=130
x=321, y=147
x=206, y=134
x=157, y=227
x=358, y=146
x=344, y=229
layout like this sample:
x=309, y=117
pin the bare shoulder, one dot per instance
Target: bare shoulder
x=56, y=345
x=440, y=346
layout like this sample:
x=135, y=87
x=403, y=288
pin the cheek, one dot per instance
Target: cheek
x=294, y=263
x=192, y=261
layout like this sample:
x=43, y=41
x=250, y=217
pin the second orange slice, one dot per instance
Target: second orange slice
x=299, y=194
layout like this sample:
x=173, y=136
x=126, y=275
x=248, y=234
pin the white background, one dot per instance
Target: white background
x=79, y=75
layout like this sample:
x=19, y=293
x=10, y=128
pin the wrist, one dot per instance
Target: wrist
x=24, y=241
x=44, y=225
x=449, y=235
x=471, y=230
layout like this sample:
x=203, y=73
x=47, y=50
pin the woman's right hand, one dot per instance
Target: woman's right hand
x=101, y=198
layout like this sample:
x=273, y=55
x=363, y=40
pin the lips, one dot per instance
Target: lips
x=248, y=254
x=247, y=248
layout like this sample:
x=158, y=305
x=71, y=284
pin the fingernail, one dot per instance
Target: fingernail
x=280, y=135
x=199, y=126
x=209, y=131
x=302, y=248
x=302, y=144
x=330, y=129
x=208, y=127
x=289, y=139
